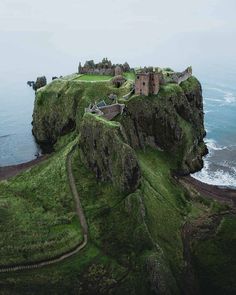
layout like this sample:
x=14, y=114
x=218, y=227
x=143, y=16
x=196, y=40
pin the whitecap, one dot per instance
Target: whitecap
x=213, y=99
x=218, y=177
x=229, y=98
x=212, y=145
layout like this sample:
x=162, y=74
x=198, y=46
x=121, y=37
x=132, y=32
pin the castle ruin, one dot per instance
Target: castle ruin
x=148, y=81
x=105, y=67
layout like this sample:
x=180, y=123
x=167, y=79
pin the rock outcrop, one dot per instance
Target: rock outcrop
x=104, y=150
x=171, y=121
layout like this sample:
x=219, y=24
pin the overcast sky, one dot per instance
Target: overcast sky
x=52, y=36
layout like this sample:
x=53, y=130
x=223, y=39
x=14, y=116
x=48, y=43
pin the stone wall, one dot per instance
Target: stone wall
x=103, y=68
x=147, y=83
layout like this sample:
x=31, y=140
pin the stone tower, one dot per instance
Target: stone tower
x=147, y=83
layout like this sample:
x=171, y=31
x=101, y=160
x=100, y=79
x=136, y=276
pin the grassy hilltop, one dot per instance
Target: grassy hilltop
x=157, y=237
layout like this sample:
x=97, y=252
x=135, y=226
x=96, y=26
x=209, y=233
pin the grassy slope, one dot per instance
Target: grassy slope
x=215, y=259
x=66, y=99
x=118, y=239
x=119, y=244
x=129, y=76
x=94, y=78
x=38, y=219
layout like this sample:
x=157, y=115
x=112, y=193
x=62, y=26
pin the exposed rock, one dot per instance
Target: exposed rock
x=54, y=112
x=171, y=121
x=40, y=82
x=104, y=150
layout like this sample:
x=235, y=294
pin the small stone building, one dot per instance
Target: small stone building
x=118, y=71
x=118, y=81
x=147, y=83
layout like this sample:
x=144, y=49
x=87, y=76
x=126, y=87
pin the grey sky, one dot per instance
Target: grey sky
x=51, y=36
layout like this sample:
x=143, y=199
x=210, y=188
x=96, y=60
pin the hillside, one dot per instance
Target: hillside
x=147, y=233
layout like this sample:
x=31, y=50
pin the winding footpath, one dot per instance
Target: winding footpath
x=82, y=219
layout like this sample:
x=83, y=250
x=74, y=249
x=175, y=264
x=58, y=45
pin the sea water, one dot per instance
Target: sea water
x=17, y=144
x=219, y=92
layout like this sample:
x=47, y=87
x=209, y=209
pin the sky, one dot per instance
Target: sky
x=51, y=36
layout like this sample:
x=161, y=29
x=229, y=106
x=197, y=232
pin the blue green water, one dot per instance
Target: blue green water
x=219, y=92
x=17, y=144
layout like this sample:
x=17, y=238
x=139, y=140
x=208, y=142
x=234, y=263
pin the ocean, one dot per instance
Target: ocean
x=219, y=92
x=17, y=144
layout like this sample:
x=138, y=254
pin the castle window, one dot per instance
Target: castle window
x=143, y=83
x=137, y=77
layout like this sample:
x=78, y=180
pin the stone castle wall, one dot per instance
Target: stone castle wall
x=103, y=68
x=147, y=83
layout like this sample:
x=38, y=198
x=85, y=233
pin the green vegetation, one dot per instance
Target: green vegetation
x=93, y=78
x=39, y=219
x=59, y=107
x=135, y=241
x=215, y=259
x=130, y=75
x=94, y=119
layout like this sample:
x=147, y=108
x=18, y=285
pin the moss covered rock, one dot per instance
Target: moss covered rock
x=105, y=151
x=171, y=121
x=59, y=106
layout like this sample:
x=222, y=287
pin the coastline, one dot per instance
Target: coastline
x=7, y=172
x=222, y=194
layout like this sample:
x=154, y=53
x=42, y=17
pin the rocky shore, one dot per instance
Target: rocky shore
x=13, y=170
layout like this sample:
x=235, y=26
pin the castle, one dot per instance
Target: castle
x=105, y=67
x=148, y=81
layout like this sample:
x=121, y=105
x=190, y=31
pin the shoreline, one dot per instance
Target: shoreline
x=220, y=193
x=7, y=172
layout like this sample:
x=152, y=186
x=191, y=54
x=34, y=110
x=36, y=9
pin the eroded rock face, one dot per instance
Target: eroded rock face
x=104, y=150
x=171, y=121
x=40, y=82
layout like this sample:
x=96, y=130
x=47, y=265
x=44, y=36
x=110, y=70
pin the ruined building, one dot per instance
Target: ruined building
x=105, y=67
x=178, y=77
x=147, y=83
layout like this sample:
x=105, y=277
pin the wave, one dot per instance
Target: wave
x=212, y=145
x=213, y=99
x=218, y=177
x=228, y=96
x=6, y=135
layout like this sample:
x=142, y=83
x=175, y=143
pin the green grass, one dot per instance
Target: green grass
x=165, y=202
x=130, y=76
x=215, y=259
x=93, y=78
x=39, y=213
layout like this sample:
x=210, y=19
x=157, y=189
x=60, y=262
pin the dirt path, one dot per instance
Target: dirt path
x=80, y=213
x=224, y=195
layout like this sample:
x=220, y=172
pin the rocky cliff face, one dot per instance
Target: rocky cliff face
x=104, y=150
x=171, y=121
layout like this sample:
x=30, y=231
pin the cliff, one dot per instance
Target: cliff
x=105, y=151
x=171, y=121
x=148, y=234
